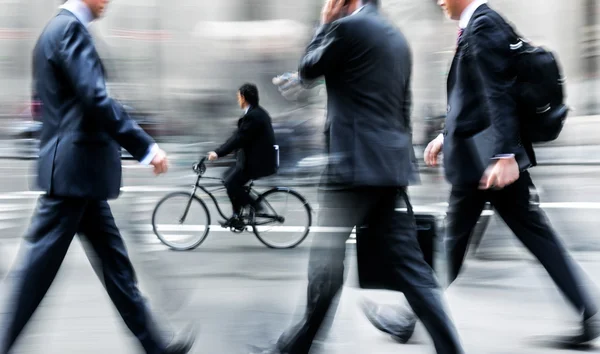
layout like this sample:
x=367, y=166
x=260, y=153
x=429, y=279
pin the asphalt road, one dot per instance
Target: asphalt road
x=241, y=292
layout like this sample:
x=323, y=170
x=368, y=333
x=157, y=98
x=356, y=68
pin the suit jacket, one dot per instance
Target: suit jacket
x=367, y=67
x=83, y=126
x=254, y=139
x=482, y=119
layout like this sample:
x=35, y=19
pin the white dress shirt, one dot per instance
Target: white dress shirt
x=468, y=12
x=80, y=10
x=85, y=16
x=357, y=10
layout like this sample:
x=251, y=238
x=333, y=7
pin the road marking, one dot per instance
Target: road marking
x=188, y=228
x=557, y=205
x=156, y=242
x=549, y=205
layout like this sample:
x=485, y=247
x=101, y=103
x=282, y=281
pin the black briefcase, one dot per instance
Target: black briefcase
x=375, y=271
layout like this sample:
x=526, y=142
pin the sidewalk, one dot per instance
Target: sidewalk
x=499, y=308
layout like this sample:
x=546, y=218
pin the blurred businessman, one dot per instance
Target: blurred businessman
x=482, y=121
x=79, y=168
x=366, y=63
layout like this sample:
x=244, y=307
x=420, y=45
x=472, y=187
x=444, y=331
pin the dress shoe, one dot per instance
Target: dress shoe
x=234, y=222
x=184, y=343
x=589, y=331
x=389, y=320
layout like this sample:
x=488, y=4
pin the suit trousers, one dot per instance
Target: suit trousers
x=528, y=222
x=340, y=211
x=54, y=224
x=235, y=180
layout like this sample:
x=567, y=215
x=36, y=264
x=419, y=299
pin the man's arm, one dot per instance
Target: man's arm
x=83, y=69
x=324, y=51
x=492, y=62
x=245, y=133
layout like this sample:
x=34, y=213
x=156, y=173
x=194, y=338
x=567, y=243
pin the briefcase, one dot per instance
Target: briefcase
x=375, y=271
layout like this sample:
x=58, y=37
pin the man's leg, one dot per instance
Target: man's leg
x=530, y=225
x=465, y=207
x=118, y=276
x=234, y=182
x=397, y=234
x=340, y=210
x=44, y=247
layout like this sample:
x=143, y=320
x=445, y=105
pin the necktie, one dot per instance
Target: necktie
x=460, y=33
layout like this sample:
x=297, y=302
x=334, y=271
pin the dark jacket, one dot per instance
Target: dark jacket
x=367, y=67
x=255, y=140
x=83, y=127
x=481, y=101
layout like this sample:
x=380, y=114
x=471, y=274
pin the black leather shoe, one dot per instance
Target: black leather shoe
x=590, y=330
x=399, y=326
x=184, y=343
x=233, y=222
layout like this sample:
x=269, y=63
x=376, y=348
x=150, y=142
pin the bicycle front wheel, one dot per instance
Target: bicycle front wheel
x=285, y=221
x=181, y=221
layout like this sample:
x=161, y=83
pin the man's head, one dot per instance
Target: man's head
x=454, y=8
x=97, y=7
x=247, y=95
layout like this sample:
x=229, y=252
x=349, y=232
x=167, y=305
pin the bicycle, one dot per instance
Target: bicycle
x=261, y=222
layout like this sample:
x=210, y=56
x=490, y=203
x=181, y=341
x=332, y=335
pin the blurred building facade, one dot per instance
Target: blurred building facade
x=185, y=58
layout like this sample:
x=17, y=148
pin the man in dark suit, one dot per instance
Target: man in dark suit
x=367, y=67
x=254, y=140
x=79, y=168
x=486, y=159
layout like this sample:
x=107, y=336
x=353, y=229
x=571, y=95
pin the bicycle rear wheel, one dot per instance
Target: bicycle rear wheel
x=285, y=221
x=181, y=221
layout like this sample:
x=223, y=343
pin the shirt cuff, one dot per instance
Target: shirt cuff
x=503, y=156
x=150, y=155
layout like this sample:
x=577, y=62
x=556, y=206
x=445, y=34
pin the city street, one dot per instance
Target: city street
x=239, y=292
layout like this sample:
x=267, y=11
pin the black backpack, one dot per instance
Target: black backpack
x=540, y=88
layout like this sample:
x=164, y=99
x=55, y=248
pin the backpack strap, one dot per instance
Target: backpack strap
x=516, y=40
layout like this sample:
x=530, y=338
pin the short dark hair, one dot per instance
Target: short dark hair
x=250, y=93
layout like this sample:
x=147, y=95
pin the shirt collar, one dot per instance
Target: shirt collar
x=247, y=109
x=468, y=12
x=357, y=10
x=80, y=10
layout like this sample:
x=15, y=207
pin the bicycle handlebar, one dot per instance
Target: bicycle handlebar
x=200, y=167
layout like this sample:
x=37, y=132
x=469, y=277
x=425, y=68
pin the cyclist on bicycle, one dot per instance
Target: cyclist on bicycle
x=254, y=141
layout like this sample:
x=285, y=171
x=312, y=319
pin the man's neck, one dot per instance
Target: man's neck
x=80, y=9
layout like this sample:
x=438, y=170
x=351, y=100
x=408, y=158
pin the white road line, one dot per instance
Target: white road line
x=188, y=228
x=549, y=205
x=558, y=205
x=156, y=242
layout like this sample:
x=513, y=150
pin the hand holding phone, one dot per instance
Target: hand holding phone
x=333, y=10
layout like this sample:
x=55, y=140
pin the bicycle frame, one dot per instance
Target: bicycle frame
x=210, y=194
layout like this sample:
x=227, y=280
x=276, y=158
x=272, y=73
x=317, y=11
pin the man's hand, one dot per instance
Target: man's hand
x=502, y=173
x=332, y=10
x=433, y=150
x=160, y=162
x=212, y=156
